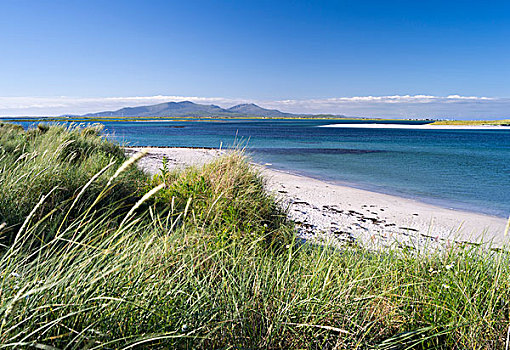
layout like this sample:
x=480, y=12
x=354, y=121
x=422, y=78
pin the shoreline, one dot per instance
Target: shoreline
x=440, y=203
x=338, y=214
x=417, y=127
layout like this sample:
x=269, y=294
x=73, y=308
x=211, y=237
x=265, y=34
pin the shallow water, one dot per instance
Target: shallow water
x=462, y=169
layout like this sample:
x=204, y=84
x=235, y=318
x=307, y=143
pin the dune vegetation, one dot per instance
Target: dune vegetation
x=503, y=122
x=98, y=255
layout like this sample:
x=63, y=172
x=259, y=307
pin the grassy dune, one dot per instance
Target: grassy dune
x=57, y=162
x=204, y=258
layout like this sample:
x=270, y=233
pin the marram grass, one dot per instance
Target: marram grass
x=191, y=268
x=61, y=160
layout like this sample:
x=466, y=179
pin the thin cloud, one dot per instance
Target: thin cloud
x=391, y=106
x=404, y=106
x=391, y=99
x=51, y=106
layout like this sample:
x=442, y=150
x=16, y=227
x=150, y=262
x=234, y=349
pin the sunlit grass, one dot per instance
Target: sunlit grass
x=207, y=260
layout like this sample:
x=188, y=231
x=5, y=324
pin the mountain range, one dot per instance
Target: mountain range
x=190, y=109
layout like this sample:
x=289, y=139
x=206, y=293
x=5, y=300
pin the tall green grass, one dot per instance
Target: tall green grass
x=226, y=199
x=208, y=262
x=59, y=161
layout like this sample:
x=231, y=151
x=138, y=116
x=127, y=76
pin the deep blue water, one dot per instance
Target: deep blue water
x=463, y=169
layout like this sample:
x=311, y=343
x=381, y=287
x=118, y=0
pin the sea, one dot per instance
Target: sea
x=459, y=169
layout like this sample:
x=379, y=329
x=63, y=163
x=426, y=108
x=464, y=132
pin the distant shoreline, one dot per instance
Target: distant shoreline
x=425, y=123
x=78, y=119
x=418, y=127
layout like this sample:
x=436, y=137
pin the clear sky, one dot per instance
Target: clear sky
x=345, y=57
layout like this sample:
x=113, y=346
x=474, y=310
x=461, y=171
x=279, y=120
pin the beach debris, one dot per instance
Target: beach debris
x=375, y=221
x=408, y=229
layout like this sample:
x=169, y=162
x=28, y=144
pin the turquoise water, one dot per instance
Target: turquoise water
x=462, y=169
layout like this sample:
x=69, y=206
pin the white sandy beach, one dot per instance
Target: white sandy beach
x=417, y=127
x=337, y=214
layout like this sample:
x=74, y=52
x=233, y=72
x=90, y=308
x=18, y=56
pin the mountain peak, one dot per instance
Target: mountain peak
x=253, y=109
x=247, y=105
x=191, y=109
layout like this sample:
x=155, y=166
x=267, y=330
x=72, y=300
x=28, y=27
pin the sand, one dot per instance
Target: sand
x=418, y=127
x=337, y=215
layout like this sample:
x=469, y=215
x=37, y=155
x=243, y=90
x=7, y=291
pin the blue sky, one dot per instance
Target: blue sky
x=345, y=57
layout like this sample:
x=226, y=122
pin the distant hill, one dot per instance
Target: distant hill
x=253, y=109
x=190, y=109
